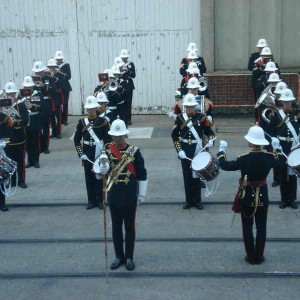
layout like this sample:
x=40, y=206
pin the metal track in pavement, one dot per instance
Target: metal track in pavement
x=137, y=274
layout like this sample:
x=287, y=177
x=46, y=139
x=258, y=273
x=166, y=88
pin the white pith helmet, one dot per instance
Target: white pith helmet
x=287, y=95
x=119, y=62
x=193, y=68
x=280, y=87
x=52, y=63
x=256, y=136
x=192, y=55
x=189, y=100
x=262, y=43
x=115, y=69
x=28, y=82
x=124, y=53
x=266, y=51
x=270, y=67
x=10, y=87
x=193, y=83
x=39, y=66
x=192, y=47
x=118, y=128
x=101, y=98
x=274, y=78
x=58, y=55
x=91, y=102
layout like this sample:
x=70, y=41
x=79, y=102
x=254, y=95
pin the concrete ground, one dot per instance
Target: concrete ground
x=53, y=248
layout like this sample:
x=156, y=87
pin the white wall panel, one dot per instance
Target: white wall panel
x=91, y=34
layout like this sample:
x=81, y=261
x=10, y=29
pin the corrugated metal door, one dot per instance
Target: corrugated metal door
x=91, y=34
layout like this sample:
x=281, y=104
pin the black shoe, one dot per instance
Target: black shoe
x=259, y=260
x=117, y=263
x=186, y=206
x=249, y=261
x=65, y=123
x=23, y=185
x=275, y=183
x=199, y=206
x=129, y=123
x=130, y=264
x=90, y=206
x=36, y=165
x=3, y=207
x=58, y=136
x=100, y=206
x=294, y=205
x=202, y=184
x=52, y=136
x=282, y=205
x=28, y=165
x=47, y=151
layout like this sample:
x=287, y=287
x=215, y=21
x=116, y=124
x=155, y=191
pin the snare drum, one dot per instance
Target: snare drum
x=294, y=160
x=7, y=168
x=206, y=166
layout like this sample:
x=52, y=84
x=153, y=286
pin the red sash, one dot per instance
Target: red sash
x=116, y=152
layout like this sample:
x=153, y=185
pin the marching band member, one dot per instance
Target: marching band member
x=252, y=198
x=187, y=137
x=65, y=71
x=128, y=72
x=58, y=98
x=284, y=124
x=126, y=185
x=44, y=86
x=122, y=91
x=254, y=58
x=33, y=130
x=15, y=132
x=177, y=110
x=192, y=56
x=90, y=136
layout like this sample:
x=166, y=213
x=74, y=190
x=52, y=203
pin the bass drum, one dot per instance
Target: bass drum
x=206, y=166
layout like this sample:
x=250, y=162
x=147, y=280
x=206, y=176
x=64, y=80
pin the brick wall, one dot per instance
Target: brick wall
x=232, y=93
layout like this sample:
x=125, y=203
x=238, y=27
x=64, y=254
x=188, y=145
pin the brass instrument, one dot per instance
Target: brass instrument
x=268, y=99
x=11, y=112
x=113, y=85
x=203, y=84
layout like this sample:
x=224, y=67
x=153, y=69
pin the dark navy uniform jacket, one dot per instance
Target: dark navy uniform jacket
x=184, y=139
x=256, y=165
x=124, y=191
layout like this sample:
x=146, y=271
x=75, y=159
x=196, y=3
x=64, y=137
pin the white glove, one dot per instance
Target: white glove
x=209, y=118
x=209, y=144
x=2, y=145
x=223, y=146
x=170, y=114
x=83, y=157
x=181, y=154
x=104, y=168
x=140, y=199
x=275, y=143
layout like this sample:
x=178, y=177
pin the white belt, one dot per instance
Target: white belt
x=46, y=97
x=188, y=141
x=112, y=107
x=89, y=143
x=121, y=102
x=34, y=113
x=286, y=139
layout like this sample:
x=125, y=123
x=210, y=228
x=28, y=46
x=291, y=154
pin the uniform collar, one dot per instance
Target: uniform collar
x=256, y=149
